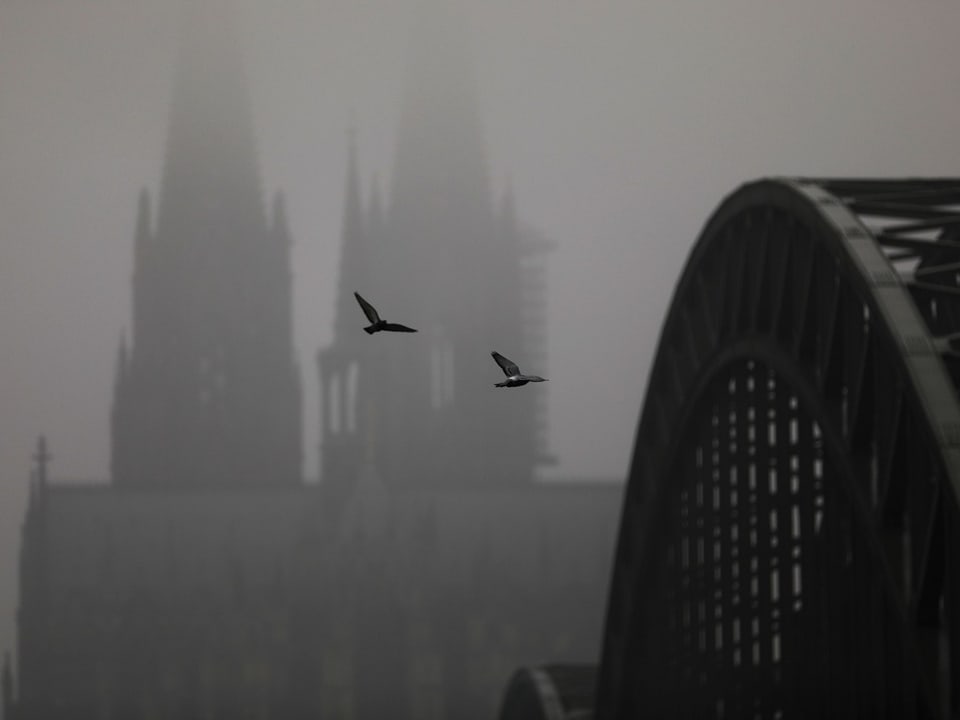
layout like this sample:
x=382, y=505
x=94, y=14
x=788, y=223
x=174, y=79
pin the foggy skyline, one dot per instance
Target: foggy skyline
x=619, y=127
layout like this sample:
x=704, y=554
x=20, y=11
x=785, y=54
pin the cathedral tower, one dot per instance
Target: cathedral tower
x=207, y=394
x=449, y=260
x=347, y=427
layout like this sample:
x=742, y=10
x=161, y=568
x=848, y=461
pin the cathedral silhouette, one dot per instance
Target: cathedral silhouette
x=206, y=579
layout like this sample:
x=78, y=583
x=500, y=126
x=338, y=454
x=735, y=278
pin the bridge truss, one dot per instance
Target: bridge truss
x=790, y=537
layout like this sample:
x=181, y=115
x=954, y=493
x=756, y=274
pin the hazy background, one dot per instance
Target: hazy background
x=619, y=125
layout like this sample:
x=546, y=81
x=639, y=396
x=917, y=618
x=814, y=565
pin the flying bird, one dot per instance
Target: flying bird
x=514, y=377
x=377, y=324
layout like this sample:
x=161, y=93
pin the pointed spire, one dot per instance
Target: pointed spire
x=352, y=206
x=440, y=215
x=440, y=146
x=353, y=255
x=440, y=211
x=212, y=291
x=375, y=235
x=211, y=146
x=143, y=287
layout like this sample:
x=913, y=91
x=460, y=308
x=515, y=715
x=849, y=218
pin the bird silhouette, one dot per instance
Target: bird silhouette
x=514, y=377
x=376, y=323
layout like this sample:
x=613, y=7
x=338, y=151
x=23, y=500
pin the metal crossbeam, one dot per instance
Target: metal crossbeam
x=785, y=545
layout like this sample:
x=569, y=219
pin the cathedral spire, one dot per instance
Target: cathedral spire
x=210, y=160
x=344, y=367
x=210, y=393
x=353, y=246
x=142, y=248
x=440, y=145
x=442, y=253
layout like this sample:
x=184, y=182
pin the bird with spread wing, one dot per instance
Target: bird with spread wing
x=377, y=324
x=514, y=377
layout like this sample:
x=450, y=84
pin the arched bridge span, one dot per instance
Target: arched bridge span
x=790, y=538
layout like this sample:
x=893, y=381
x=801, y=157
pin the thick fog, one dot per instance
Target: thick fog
x=618, y=125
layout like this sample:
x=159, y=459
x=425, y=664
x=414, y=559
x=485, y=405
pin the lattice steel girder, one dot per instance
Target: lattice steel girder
x=933, y=386
x=801, y=280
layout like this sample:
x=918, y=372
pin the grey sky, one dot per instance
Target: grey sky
x=619, y=124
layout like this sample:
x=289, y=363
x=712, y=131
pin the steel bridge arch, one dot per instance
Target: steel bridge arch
x=790, y=536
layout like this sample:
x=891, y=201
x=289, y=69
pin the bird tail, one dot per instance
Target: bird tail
x=369, y=330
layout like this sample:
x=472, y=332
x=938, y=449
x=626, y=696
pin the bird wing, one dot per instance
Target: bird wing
x=508, y=366
x=397, y=327
x=369, y=310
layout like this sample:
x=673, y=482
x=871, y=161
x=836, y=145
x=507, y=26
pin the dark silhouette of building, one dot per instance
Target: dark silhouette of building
x=144, y=603
x=208, y=393
x=444, y=256
x=206, y=579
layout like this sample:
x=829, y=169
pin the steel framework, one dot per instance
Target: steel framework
x=790, y=532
